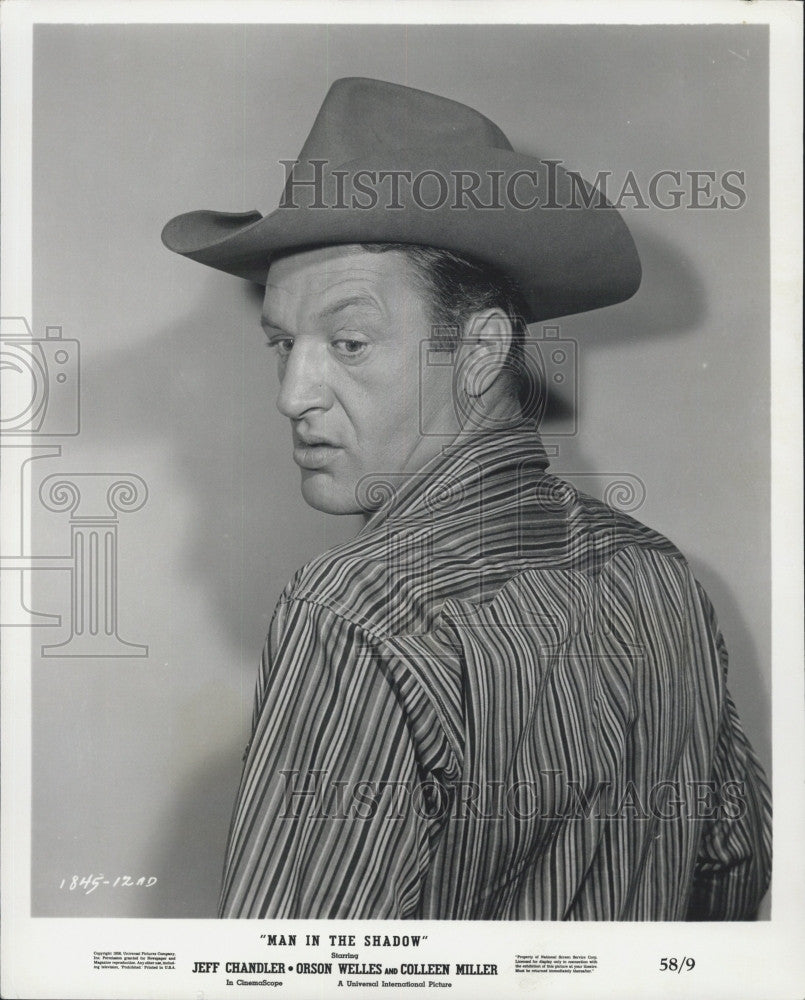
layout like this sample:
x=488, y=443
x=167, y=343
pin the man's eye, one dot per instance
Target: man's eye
x=282, y=345
x=346, y=347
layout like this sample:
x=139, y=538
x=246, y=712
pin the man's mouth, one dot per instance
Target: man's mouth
x=313, y=453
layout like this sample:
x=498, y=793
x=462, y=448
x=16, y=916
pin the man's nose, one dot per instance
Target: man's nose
x=303, y=381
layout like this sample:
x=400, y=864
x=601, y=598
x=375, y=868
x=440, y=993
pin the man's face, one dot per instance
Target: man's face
x=347, y=325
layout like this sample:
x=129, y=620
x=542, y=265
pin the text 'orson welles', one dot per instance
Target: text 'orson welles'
x=432, y=973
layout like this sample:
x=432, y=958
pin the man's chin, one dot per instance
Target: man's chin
x=323, y=492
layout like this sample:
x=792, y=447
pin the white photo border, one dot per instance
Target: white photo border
x=43, y=957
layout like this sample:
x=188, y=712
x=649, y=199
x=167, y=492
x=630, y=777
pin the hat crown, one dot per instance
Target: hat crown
x=361, y=117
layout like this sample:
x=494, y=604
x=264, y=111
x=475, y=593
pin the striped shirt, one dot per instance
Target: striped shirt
x=503, y=700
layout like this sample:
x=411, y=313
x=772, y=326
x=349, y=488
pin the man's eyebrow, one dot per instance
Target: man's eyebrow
x=347, y=303
x=267, y=325
x=358, y=300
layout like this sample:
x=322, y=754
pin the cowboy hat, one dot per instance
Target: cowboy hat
x=385, y=163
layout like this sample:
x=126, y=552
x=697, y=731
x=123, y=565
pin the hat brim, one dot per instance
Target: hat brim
x=567, y=253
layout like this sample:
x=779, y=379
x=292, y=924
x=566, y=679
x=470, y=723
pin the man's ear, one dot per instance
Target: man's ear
x=484, y=348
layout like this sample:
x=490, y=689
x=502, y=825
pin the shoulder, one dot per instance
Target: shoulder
x=609, y=521
x=553, y=525
x=347, y=580
x=404, y=572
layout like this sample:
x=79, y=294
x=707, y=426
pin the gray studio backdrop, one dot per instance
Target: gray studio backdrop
x=136, y=758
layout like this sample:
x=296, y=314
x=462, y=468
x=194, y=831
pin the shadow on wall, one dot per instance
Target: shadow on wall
x=671, y=300
x=206, y=395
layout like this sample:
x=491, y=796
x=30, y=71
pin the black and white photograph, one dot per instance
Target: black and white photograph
x=401, y=500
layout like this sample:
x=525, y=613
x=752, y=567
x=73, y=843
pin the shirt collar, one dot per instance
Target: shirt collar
x=471, y=464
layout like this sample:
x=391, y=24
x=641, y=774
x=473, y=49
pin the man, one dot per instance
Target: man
x=502, y=699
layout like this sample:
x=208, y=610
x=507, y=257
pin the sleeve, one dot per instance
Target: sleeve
x=338, y=801
x=734, y=860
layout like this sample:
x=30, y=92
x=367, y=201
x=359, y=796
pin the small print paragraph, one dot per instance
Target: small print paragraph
x=555, y=963
x=134, y=960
